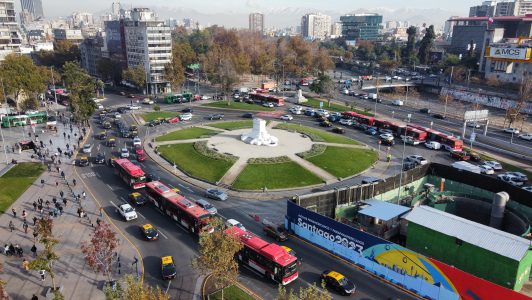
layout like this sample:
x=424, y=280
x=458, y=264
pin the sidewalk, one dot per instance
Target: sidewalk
x=72, y=273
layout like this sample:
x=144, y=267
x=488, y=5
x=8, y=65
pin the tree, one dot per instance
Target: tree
x=322, y=61
x=365, y=50
x=525, y=94
x=426, y=45
x=46, y=258
x=217, y=252
x=64, y=51
x=410, y=45
x=109, y=70
x=323, y=85
x=133, y=289
x=21, y=77
x=135, y=75
x=100, y=250
x=310, y=293
x=174, y=72
x=82, y=90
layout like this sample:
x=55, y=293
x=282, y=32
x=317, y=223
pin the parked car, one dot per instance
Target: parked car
x=433, y=145
x=511, y=130
x=207, y=206
x=216, y=194
x=460, y=155
x=494, y=164
x=418, y=159
x=286, y=118
x=485, y=169
x=338, y=282
x=526, y=136
x=510, y=179
x=527, y=188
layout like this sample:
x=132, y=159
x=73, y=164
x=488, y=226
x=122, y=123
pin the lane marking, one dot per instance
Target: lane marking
x=169, y=282
x=123, y=200
x=109, y=187
x=138, y=213
x=113, y=203
x=164, y=235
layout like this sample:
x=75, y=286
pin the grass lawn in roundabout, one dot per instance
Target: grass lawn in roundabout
x=274, y=176
x=343, y=162
x=237, y=105
x=192, y=162
x=232, y=125
x=318, y=135
x=150, y=116
x=186, y=134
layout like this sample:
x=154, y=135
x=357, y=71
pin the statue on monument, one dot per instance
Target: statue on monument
x=258, y=135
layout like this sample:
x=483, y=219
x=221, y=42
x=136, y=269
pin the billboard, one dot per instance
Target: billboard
x=508, y=53
x=476, y=115
x=425, y=276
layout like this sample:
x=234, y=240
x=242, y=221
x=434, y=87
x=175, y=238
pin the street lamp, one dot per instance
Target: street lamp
x=431, y=123
x=402, y=162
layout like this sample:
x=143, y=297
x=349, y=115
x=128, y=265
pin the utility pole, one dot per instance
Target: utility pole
x=55, y=89
x=1, y=131
x=377, y=94
x=447, y=94
x=402, y=163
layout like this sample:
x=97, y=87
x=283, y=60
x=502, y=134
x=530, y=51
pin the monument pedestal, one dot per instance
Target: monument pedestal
x=258, y=135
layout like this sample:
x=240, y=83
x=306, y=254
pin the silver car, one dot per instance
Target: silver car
x=216, y=194
x=207, y=206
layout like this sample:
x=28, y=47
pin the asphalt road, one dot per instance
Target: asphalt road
x=108, y=187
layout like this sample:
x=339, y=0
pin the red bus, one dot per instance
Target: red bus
x=394, y=127
x=360, y=118
x=449, y=142
x=277, y=101
x=270, y=260
x=180, y=209
x=417, y=134
x=130, y=173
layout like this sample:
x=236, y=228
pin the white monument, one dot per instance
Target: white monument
x=299, y=97
x=258, y=135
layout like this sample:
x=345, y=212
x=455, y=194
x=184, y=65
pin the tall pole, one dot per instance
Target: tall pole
x=377, y=94
x=1, y=131
x=55, y=90
x=402, y=163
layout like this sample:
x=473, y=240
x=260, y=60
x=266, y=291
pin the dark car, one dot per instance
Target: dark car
x=438, y=116
x=372, y=180
x=131, y=96
x=325, y=124
x=247, y=116
x=149, y=232
x=168, y=270
x=187, y=110
x=215, y=116
x=387, y=142
x=371, y=131
x=154, y=123
x=274, y=231
x=459, y=155
x=122, y=110
x=107, y=125
x=102, y=135
x=125, y=133
x=339, y=130
x=425, y=110
x=99, y=159
x=474, y=157
x=111, y=143
x=152, y=177
x=137, y=198
x=338, y=282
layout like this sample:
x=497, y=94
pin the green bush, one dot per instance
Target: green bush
x=203, y=149
x=156, y=107
x=316, y=149
x=269, y=160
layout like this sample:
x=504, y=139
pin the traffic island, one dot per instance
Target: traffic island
x=233, y=292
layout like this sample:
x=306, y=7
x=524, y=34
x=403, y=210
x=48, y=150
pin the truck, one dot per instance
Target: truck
x=268, y=85
x=465, y=166
x=372, y=96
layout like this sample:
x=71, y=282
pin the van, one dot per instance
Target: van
x=433, y=145
x=397, y=102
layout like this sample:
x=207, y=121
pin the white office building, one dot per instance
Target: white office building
x=10, y=34
x=148, y=44
x=316, y=26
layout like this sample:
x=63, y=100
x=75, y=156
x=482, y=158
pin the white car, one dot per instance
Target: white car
x=322, y=112
x=485, y=169
x=473, y=124
x=296, y=111
x=528, y=188
x=99, y=106
x=494, y=164
x=137, y=141
x=127, y=212
x=526, y=136
x=397, y=102
x=410, y=140
x=433, y=145
x=510, y=179
x=520, y=176
x=268, y=104
x=346, y=122
x=147, y=101
x=124, y=153
x=418, y=159
x=133, y=106
x=205, y=97
x=87, y=148
x=511, y=130
x=287, y=118
x=386, y=136
x=233, y=222
x=186, y=117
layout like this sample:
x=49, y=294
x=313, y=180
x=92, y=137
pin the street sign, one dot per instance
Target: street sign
x=321, y=104
x=476, y=115
x=473, y=136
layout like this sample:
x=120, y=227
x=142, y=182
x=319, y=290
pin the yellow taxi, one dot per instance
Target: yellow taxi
x=176, y=190
x=111, y=143
x=83, y=161
x=338, y=282
x=149, y=232
x=137, y=198
x=168, y=269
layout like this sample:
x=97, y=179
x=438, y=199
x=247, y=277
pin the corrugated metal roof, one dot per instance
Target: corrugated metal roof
x=483, y=236
x=383, y=210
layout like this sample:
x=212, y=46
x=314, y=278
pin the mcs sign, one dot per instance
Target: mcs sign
x=509, y=53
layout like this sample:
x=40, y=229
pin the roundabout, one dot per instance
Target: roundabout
x=276, y=156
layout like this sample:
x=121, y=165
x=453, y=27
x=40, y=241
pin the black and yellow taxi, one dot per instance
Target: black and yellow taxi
x=82, y=161
x=293, y=253
x=149, y=232
x=168, y=270
x=134, y=130
x=111, y=142
x=107, y=125
x=137, y=198
x=338, y=282
x=102, y=135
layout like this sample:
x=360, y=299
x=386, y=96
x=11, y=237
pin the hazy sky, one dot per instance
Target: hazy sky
x=54, y=8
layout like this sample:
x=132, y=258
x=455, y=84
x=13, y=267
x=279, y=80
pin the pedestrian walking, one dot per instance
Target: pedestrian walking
x=64, y=135
x=47, y=203
x=14, y=211
x=63, y=174
x=49, y=168
x=24, y=214
x=56, y=184
x=69, y=136
x=56, y=167
x=65, y=202
x=51, y=142
x=11, y=226
x=54, y=200
x=34, y=297
x=26, y=265
x=67, y=146
x=39, y=207
x=42, y=183
x=43, y=274
x=101, y=211
x=84, y=195
x=34, y=250
x=35, y=235
x=25, y=226
x=42, y=144
x=61, y=194
x=98, y=221
x=74, y=181
x=34, y=205
x=39, y=200
x=59, y=161
x=60, y=208
x=34, y=220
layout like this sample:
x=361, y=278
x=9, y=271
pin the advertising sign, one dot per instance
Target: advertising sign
x=476, y=115
x=508, y=53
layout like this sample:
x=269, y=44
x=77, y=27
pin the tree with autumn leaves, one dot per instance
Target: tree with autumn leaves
x=100, y=250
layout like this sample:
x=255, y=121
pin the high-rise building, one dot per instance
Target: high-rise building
x=448, y=28
x=25, y=17
x=115, y=9
x=487, y=9
x=315, y=26
x=10, y=35
x=336, y=29
x=80, y=19
x=523, y=7
x=148, y=43
x=505, y=8
x=34, y=7
x=256, y=22
x=364, y=27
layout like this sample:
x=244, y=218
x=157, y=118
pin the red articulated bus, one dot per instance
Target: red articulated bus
x=449, y=142
x=180, y=209
x=417, y=134
x=130, y=173
x=395, y=128
x=270, y=260
x=360, y=118
x=277, y=101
